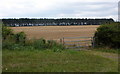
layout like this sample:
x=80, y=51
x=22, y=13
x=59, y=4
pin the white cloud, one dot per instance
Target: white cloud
x=59, y=8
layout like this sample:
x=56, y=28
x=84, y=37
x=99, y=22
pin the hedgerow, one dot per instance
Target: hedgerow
x=108, y=35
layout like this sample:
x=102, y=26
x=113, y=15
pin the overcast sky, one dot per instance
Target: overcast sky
x=59, y=9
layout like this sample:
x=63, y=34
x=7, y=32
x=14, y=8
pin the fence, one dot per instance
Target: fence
x=77, y=42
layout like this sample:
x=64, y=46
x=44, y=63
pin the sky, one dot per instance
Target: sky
x=59, y=9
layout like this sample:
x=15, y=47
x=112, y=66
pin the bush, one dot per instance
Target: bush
x=20, y=37
x=42, y=44
x=18, y=42
x=56, y=47
x=39, y=44
x=108, y=35
x=9, y=39
x=6, y=32
x=7, y=44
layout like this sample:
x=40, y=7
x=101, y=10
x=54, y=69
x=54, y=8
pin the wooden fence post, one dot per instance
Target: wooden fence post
x=93, y=42
x=63, y=41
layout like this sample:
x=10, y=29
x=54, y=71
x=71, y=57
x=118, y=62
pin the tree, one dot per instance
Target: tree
x=108, y=35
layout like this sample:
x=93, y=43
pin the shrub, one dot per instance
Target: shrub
x=18, y=42
x=9, y=39
x=108, y=35
x=20, y=37
x=16, y=47
x=6, y=32
x=55, y=46
x=7, y=44
x=43, y=44
x=39, y=44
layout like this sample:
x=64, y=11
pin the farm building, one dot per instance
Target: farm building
x=54, y=22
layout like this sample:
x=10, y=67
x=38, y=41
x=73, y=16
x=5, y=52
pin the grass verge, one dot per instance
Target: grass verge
x=49, y=61
x=109, y=50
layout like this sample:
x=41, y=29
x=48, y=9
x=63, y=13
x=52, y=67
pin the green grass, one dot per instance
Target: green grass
x=109, y=50
x=49, y=61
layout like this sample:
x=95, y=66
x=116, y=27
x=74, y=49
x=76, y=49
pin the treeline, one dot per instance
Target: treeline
x=54, y=22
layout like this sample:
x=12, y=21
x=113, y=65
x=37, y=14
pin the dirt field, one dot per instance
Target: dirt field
x=57, y=32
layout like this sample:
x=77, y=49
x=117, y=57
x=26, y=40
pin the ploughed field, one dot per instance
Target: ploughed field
x=57, y=32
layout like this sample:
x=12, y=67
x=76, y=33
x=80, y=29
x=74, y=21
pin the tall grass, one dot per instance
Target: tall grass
x=42, y=44
x=39, y=44
x=18, y=41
